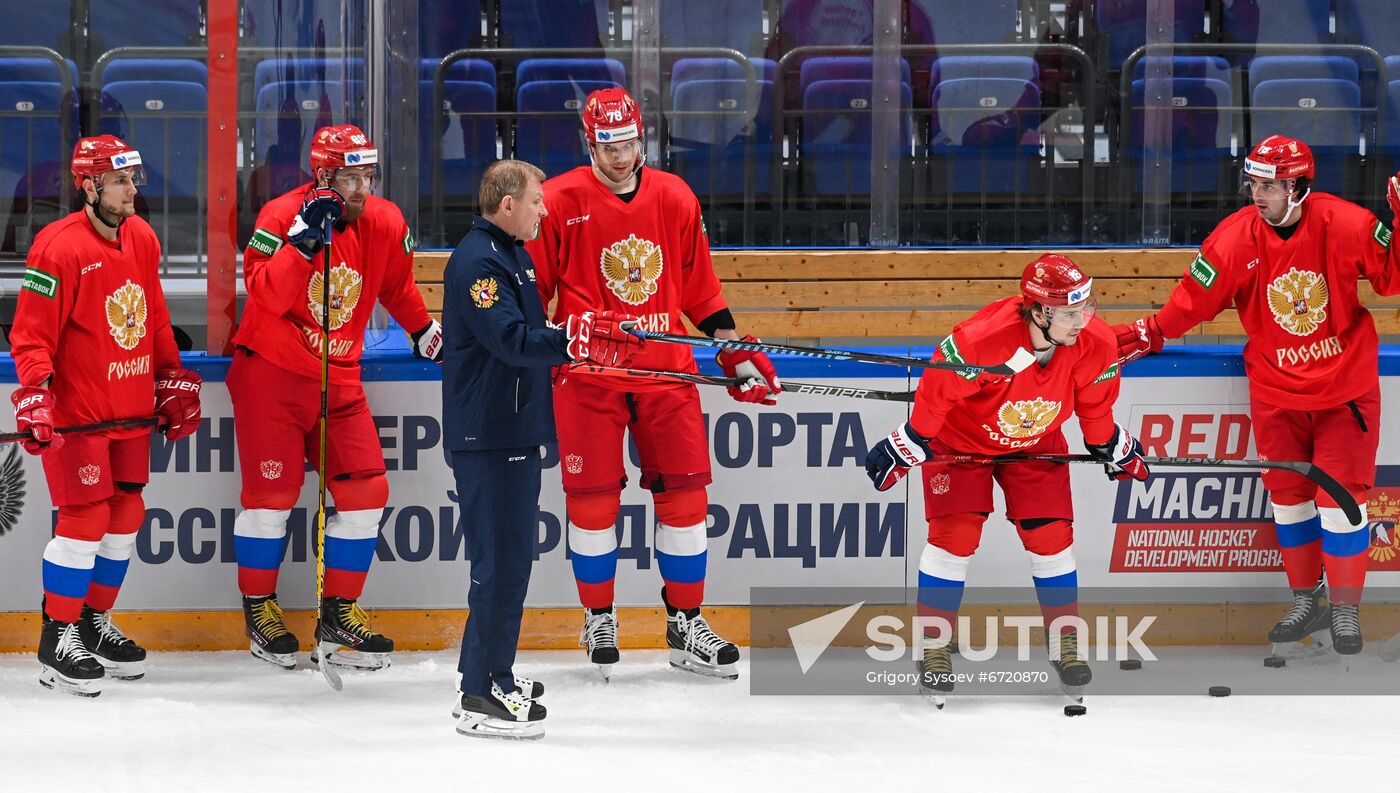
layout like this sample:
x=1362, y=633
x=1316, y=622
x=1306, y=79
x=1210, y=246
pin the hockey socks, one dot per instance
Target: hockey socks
x=680, y=555
x=595, y=564
x=1299, y=528
x=259, y=544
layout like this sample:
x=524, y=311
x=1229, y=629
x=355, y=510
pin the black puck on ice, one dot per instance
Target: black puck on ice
x=1075, y=710
x=1275, y=662
x=1129, y=664
x=1219, y=691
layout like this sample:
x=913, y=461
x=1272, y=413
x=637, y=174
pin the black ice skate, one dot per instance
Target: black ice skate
x=599, y=635
x=500, y=715
x=1304, y=630
x=696, y=648
x=266, y=627
x=936, y=675
x=530, y=689
x=1346, y=629
x=123, y=658
x=344, y=638
x=66, y=664
x=1070, y=665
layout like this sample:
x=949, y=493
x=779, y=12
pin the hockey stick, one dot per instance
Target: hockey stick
x=100, y=426
x=332, y=677
x=789, y=386
x=1311, y=472
x=1016, y=363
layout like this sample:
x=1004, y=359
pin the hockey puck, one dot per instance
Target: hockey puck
x=1075, y=710
x=1275, y=662
x=1129, y=664
x=1219, y=691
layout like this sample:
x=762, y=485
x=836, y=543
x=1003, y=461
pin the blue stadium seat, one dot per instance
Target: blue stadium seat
x=1281, y=22
x=1122, y=24
x=289, y=113
x=542, y=24
x=30, y=144
x=1205, y=67
x=1203, y=118
x=804, y=23
x=710, y=145
x=985, y=131
x=297, y=24
x=736, y=24
x=972, y=67
x=329, y=71
x=167, y=122
x=1323, y=113
x=45, y=24
x=837, y=143
x=1373, y=23
x=1301, y=67
x=963, y=22
x=144, y=23
x=687, y=69
x=36, y=70
x=566, y=69
x=841, y=67
x=447, y=25
x=472, y=70
x=1390, y=128
x=555, y=144
x=173, y=70
x=468, y=144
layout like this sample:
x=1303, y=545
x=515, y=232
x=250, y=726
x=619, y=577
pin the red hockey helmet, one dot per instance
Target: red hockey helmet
x=611, y=116
x=1054, y=280
x=95, y=156
x=1279, y=158
x=345, y=146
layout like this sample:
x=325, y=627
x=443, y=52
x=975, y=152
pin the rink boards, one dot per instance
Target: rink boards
x=791, y=505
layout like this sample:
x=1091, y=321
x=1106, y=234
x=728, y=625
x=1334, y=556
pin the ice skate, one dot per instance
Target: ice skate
x=531, y=689
x=1304, y=632
x=599, y=636
x=936, y=675
x=1345, y=629
x=66, y=664
x=1070, y=665
x=123, y=658
x=511, y=716
x=696, y=648
x=345, y=640
x=266, y=627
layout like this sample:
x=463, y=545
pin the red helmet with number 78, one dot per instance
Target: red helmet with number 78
x=610, y=115
x=1054, y=280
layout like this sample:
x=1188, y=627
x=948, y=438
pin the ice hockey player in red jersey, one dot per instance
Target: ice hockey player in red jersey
x=1289, y=262
x=1076, y=372
x=92, y=343
x=630, y=239
x=275, y=384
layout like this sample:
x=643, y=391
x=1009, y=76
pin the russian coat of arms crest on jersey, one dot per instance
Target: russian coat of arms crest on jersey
x=126, y=315
x=631, y=268
x=485, y=292
x=1027, y=418
x=1298, y=300
x=346, y=284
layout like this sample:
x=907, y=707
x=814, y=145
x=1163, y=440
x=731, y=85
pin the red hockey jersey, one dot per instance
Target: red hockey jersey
x=1311, y=343
x=991, y=414
x=649, y=258
x=370, y=258
x=92, y=314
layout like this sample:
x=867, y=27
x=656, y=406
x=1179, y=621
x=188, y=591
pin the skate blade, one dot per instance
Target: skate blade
x=479, y=725
x=606, y=671
x=1075, y=693
x=123, y=670
x=343, y=657
x=936, y=698
x=50, y=678
x=1390, y=649
x=683, y=661
x=1314, y=645
x=280, y=660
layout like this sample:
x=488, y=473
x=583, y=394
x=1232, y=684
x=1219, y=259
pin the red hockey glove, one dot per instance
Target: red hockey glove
x=308, y=228
x=890, y=459
x=759, y=380
x=1122, y=454
x=427, y=343
x=177, y=401
x=600, y=338
x=1392, y=196
x=1136, y=339
x=34, y=414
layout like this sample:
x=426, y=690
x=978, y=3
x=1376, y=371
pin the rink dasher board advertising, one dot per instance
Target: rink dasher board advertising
x=791, y=505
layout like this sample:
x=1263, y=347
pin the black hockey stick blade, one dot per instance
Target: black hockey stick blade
x=1016, y=363
x=789, y=386
x=100, y=426
x=1311, y=472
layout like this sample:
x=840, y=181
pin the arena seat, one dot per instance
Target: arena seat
x=173, y=70
x=736, y=24
x=1325, y=113
x=468, y=144
x=837, y=138
x=1373, y=23
x=712, y=142
x=1203, y=118
x=289, y=113
x=985, y=133
x=545, y=24
x=158, y=23
x=555, y=144
x=167, y=122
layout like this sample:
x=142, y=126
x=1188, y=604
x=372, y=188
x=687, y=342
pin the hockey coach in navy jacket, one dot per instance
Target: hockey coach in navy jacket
x=497, y=411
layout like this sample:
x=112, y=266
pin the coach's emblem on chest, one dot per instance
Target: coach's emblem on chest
x=1027, y=418
x=485, y=292
x=346, y=284
x=126, y=315
x=631, y=267
x=1298, y=299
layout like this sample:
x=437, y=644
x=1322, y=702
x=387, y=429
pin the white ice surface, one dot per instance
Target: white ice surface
x=226, y=722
